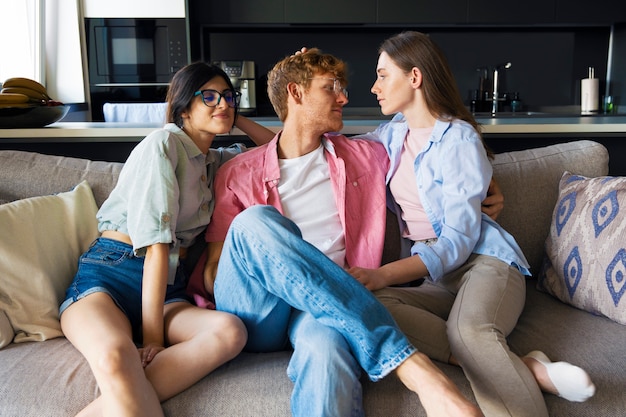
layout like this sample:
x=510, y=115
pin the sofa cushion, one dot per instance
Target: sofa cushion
x=29, y=174
x=586, y=248
x=43, y=238
x=529, y=179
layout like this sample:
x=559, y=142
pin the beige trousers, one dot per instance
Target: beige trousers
x=469, y=313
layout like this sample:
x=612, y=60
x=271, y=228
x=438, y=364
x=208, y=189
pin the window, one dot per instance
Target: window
x=41, y=40
x=18, y=40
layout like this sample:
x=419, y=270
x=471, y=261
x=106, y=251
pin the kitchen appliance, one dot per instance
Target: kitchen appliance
x=242, y=75
x=133, y=60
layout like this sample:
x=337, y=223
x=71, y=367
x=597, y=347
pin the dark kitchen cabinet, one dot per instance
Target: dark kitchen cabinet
x=422, y=11
x=511, y=12
x=237, y=11
x=330, y=11
x=597, y=12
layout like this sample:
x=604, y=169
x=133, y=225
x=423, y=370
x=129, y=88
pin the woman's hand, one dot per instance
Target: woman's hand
x=493, y=204
x=372, y=279
x=301, y=51
x=149, y=352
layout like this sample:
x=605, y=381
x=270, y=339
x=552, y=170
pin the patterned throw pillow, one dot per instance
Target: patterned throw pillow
x=586, y=249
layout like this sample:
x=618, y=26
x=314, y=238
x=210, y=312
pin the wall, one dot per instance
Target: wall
x=548, y=63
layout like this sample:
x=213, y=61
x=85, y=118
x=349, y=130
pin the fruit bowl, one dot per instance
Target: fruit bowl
x=32, y=116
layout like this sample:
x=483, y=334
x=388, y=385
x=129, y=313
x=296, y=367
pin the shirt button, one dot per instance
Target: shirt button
x=204, y=206
x=355, y=183
x=165, y=218
x=203, y=178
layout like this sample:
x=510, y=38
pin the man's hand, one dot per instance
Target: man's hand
x=493, y=204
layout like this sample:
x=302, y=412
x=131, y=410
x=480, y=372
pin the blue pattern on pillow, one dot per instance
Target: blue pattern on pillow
x=573, y=271
x=585, y=264
x=605, y=211
x=565, y=209
x=615, y=276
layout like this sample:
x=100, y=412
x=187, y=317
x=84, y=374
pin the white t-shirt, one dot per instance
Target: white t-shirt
x=307, y=199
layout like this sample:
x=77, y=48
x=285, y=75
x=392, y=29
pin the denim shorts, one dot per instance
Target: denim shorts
x=111, y=267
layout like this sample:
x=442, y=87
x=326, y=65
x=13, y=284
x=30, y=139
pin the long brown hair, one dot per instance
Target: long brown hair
x=411, y=49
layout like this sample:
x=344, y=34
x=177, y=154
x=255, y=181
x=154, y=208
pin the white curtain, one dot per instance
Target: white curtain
x=60, y=67
x=17, y=40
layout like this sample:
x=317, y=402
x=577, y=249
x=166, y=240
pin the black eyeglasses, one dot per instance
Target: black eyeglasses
x=212, y=98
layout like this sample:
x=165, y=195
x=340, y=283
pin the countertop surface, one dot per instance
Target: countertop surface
x=130, y=132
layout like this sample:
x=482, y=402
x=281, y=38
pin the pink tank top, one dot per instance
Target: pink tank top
x=404, y=187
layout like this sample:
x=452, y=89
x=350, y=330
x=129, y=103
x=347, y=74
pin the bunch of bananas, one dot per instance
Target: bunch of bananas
x=24, y=92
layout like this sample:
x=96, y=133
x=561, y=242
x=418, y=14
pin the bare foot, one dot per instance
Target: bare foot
x=437, y=393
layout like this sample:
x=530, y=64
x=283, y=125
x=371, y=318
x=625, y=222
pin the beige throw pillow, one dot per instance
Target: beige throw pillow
x=6, y=331
x=586, y=248
x=41, y=241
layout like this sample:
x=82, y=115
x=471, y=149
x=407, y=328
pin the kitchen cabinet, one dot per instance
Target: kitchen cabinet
x=330, y=11
x=422, y=11
x=510, y=12
x=583, y=11
x=238, y=11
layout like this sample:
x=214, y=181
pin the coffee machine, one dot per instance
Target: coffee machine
x=242, y=75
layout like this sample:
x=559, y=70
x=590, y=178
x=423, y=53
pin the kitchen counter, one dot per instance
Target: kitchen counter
x=115, y=141
x=614, y=125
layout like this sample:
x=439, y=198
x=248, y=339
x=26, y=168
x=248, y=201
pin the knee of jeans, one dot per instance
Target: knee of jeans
x=263, y=220
x=255, y=216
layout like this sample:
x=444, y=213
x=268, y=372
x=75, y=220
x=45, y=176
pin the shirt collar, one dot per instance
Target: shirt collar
x=190, y=146
x=271, y=169
x=440, y=128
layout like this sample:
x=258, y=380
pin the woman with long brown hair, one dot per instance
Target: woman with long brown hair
x=473, y=290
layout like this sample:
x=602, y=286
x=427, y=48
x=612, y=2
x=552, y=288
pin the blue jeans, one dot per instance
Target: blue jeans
x=111, y=267
x=283, y=287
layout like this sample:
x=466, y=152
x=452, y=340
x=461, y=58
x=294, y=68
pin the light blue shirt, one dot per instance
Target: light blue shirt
x=453, y=174
x=164, y=193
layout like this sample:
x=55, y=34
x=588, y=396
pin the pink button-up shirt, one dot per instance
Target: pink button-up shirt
x=357, y=171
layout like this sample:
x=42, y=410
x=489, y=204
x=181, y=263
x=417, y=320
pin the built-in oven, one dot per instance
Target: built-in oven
x=133, y=60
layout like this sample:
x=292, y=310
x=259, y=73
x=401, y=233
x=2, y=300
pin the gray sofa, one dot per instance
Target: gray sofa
x=51, y=378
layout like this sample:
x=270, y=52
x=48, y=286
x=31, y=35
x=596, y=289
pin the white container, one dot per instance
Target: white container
x=589, y=98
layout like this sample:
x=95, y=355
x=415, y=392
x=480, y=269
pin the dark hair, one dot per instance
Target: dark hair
x=185, y=83
x=411, y=49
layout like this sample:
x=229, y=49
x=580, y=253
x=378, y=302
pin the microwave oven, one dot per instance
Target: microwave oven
x=133, y=60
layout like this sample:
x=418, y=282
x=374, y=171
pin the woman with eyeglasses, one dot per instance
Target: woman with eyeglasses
x=127, y=310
